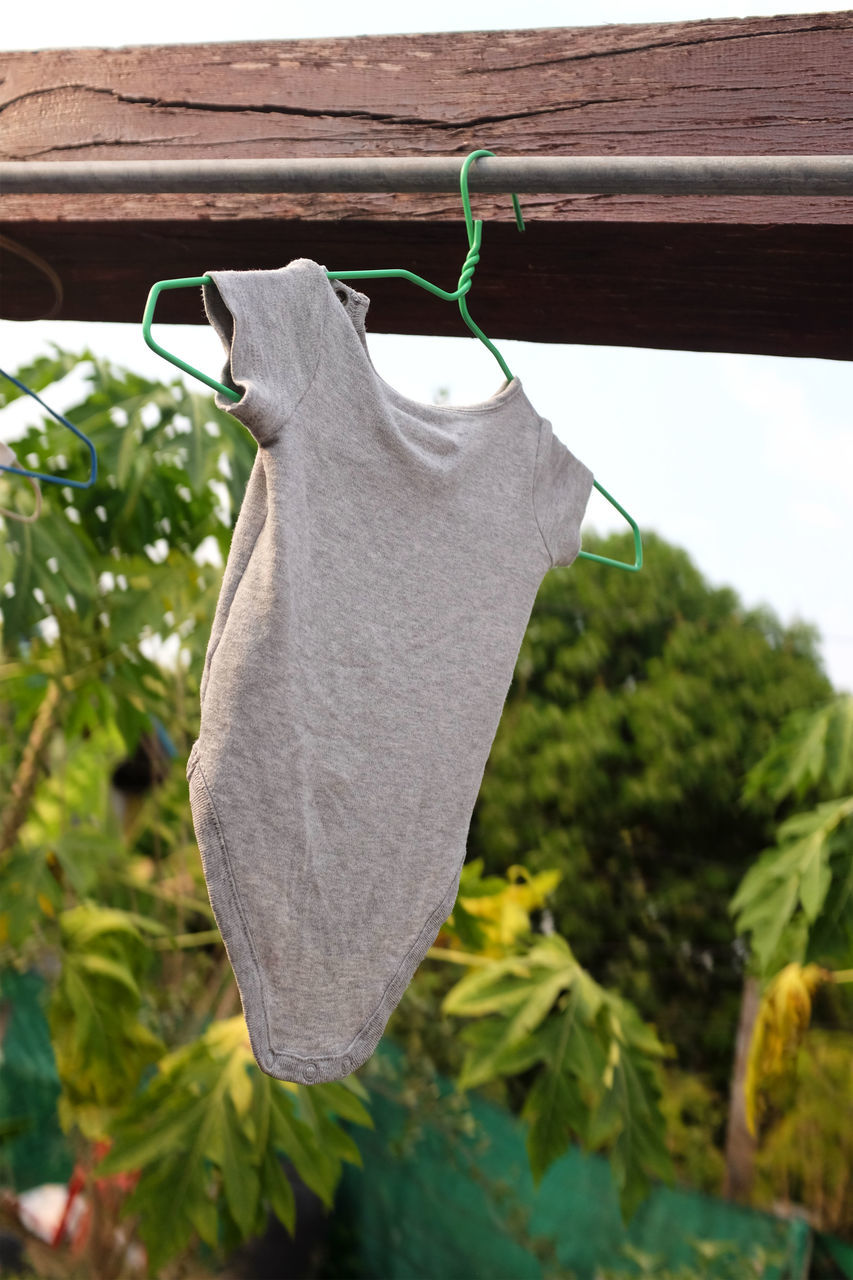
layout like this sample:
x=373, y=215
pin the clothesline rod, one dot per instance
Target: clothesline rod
x=802, y=175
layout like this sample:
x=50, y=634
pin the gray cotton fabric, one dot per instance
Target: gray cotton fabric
x=381, y=576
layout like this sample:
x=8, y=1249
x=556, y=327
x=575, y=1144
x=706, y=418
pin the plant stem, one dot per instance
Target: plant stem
x=458, y=957
x=181, y=941
x=26, y=778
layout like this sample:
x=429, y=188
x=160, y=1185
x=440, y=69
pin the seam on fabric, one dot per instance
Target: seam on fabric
x=401, y=968
x=533, y=492
x=414, y=947
x=233, y=886
x=489, y=406
x=242, y=401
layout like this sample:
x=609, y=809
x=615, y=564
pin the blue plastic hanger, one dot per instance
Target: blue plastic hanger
x=38, y=475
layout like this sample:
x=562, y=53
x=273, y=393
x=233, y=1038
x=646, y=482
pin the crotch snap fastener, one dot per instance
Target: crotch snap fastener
x=309, y=1071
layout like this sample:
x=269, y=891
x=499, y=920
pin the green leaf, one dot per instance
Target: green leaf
x=315, y=1167
x=640, y=1151
x=490, y=988
x=239, y=1175
x=797, y=873
x=88, y=923
x=261, y=1109
x=522, y=990
x=53, y=535
x=279, y=1192
x=766, y=917
x=156, y=1139
x=198, y=441
x=491, y=1053
x=342, y=1101
x=337, y=1141
x=102, y=967
x=202, y=1213
x=166, y=1225
x=556, y=1112
x=839, y=746
x=559, y=1101
x=814, y=886
x=29, y=896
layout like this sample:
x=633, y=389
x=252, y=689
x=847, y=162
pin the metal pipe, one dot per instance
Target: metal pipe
x=577, y=175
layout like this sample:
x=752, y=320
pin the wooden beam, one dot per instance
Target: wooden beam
x=736, y=273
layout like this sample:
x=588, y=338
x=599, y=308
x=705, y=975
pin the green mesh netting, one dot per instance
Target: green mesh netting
x=432, y=1203
x=33, y=1148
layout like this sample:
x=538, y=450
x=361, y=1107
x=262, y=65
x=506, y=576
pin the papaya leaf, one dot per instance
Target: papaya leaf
x=239, y=1172
x=341, y=1101
x=315, y=1166
x=205, y=1131
x=812, y=747
x=597, y=1080
x=29, y=896
x=558, y=1104
x=515, y=1030
x=101, y=1046
x=493, y=988
x=279, y=1192
x=795, y=876
x=839, y=746
x=166, y=1226
x=490, y=1053
x=143, y=1143
x=104, y=967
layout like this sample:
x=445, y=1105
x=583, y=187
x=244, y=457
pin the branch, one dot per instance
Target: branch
x=26, y=778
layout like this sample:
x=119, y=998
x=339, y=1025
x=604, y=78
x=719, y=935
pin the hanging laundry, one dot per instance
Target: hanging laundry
x=381, y=576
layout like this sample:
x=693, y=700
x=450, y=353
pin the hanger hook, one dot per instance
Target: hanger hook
x=466, y=199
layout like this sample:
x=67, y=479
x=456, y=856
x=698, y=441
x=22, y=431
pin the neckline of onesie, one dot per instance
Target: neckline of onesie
x=356, y=305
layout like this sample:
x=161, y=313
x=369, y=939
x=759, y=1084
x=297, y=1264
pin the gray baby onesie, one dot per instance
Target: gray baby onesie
x=381, y=576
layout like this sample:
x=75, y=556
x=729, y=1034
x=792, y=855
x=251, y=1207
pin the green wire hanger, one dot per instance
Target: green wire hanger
x=474, y=229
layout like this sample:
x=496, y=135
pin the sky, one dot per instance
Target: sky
x=745, y=461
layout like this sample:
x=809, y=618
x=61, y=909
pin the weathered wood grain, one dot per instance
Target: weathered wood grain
x=712, y=273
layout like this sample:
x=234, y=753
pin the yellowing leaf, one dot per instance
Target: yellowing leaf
x=46, y=905
x=612, y=1063
x=506, y=914
x=782, y=1020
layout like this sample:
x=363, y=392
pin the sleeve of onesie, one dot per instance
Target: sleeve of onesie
x=271, y=326
x=561, y=490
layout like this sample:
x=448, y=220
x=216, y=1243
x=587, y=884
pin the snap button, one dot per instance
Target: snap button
x=309, y=1071
x=347, y=1064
